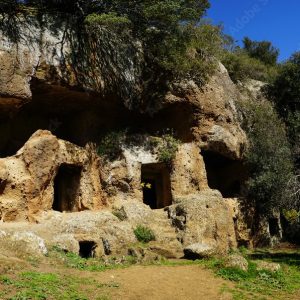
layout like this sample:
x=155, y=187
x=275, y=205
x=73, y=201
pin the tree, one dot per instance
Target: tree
x=167, y=29
x=285, y=92
x=268, y=157
x=263, y=51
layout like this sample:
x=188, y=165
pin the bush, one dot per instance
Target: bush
x=285, y=89
x=293, y=127
x=261, y=50
x=241, y=67
x=110, y=145
x=268, y=157
x=194, y=53
x=144, y=234
x=292, y=216
x=167, y=147
x=108, y=19
x=285, y=92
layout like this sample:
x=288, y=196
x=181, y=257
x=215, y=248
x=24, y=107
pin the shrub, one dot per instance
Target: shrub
x=241, y=67
x=285, y=89
x=261, y=50
x=268, y=157
x=194, y=53
x=110, y=145
x=292, y=216
x=167, y=147
x=293, y=127
x=109, y=19
x=144, y=234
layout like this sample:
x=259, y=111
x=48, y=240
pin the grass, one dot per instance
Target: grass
x=31, y=283
x=261, y=284
x=72, y=260
x=40, y=286
x=144, y=234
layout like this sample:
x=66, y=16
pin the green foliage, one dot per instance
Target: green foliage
x=261, y=50
x=110, y=145
x=40, y=286
x=167, y=147
x=268, y=157
x=193, y=53
x=186, y=48
x=285, y=92
x=293, y=126
x=285, y=89
x=241, y=67
x=259, y=284
x=144, y=234
x=110, y=19
x=292, y=215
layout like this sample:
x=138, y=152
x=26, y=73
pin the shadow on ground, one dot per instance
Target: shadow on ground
x=288, y=257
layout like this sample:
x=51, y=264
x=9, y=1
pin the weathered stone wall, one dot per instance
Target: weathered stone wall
x=51, y=51
x=27, y=178
x=45, y=86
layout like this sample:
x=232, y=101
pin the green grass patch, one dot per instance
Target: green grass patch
x=144, y=234
x=261, y=284
x=42, y=286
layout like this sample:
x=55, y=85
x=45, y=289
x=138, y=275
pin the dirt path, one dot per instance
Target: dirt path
x=166, y=282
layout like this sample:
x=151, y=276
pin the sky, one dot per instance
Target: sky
x=273, y=20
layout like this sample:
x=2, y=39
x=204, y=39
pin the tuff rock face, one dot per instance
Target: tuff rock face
x=55, y=104
x=27, y=178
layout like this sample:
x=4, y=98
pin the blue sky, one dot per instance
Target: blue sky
x=274, y=20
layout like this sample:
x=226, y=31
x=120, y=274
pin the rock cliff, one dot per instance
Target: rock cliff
x=57, y=98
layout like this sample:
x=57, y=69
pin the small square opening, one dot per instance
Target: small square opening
x=87, y=249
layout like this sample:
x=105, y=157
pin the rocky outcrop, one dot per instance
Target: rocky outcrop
x=214, y=121
x=198, y=251
x=55, y=175
x=54, y=71
x=204, y=218
x=236, y=261
x=52, y=52
x=28, y=178
x=268, y=266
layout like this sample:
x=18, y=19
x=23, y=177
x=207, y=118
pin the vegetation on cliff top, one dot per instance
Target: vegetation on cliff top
x=272, y=127
x=174, y=41
x=178, y=43
x=255, y=60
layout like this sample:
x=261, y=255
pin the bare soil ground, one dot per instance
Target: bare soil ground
x=63, y=278
x=166, y=283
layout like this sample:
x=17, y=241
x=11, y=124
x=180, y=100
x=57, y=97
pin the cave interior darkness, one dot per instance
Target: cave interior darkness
x=80, y=117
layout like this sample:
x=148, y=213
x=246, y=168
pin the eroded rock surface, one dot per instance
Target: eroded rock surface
x=54, y=177
x=204, y=218
x=28, y=179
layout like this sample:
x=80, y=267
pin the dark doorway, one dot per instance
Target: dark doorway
x=66, y=186
x=156, y=185
x=224, y=174
x=274, y=226
x=87, y=249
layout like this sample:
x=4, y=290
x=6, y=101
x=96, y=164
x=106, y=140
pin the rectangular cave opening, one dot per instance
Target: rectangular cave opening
x=66, y=187
x=87, y=249
x=156, y=185
x=274, y=226
x=224, y=174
